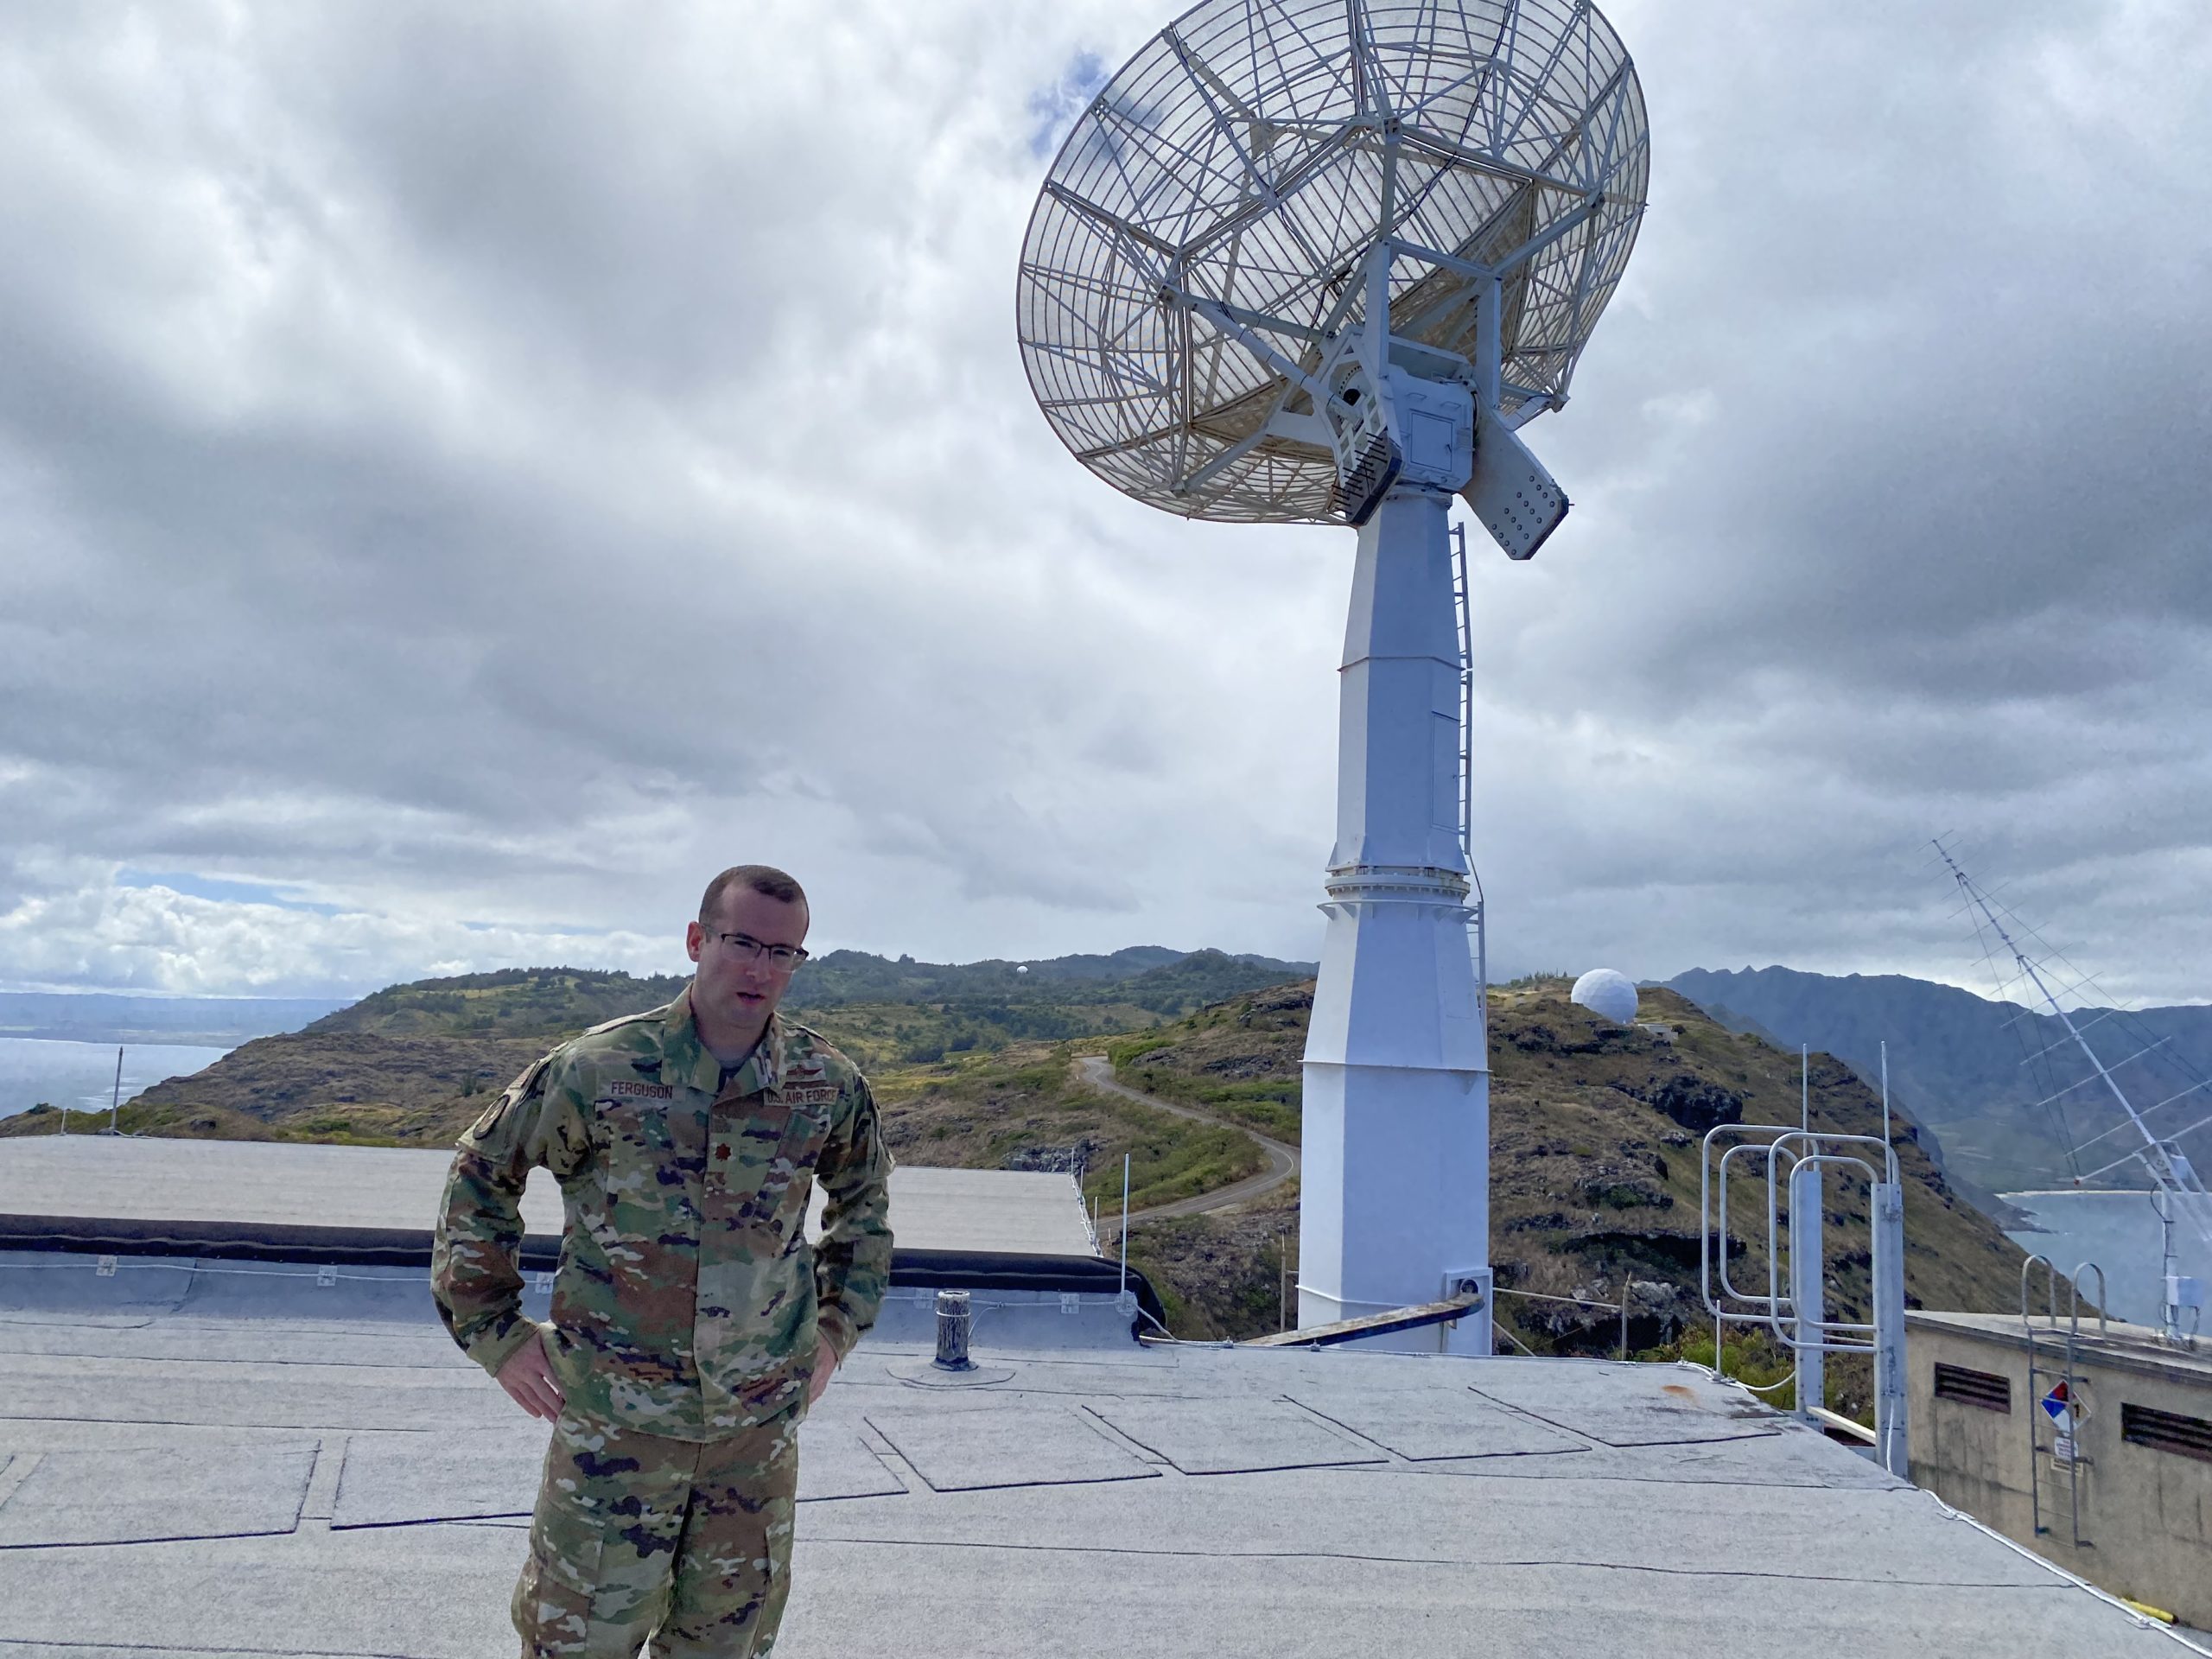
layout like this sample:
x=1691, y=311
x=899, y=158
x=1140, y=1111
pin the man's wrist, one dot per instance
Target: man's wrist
x=837, y=1330
x=493, y=1351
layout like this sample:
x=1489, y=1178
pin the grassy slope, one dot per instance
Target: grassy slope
x=1239, y=1058
x=341, y=1085
x=899, y=1010
x=1591, y=1187
x=409, y=1064
x=1590, y=1184
x=1023, y=1109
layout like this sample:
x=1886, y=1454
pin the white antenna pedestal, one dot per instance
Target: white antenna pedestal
x=1302, y=265
x=1394, y=1205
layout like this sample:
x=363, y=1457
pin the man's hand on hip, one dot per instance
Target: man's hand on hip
x=528, y=1378
x=825, y=1363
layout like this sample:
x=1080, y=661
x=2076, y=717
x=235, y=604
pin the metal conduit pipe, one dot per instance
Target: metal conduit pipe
x=954, y=1320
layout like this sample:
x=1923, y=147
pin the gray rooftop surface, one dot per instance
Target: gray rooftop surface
x=228, y=1458
x=250, y=1183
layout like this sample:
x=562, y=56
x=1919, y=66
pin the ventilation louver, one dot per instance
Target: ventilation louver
x=1984, y=1389
x=2165, y=1431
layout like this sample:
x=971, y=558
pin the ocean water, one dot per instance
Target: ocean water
x=2120, y=1232
x=82, y=1075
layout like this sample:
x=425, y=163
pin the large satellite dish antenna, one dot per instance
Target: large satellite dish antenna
x=1264, y=180
x=1317, y=261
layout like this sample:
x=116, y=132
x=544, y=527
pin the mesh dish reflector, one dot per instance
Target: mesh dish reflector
x=1250, y=154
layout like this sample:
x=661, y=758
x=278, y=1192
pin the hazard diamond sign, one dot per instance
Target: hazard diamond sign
x=2060, y=1406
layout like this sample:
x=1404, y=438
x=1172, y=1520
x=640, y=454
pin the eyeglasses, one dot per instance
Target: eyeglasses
x=743, y=947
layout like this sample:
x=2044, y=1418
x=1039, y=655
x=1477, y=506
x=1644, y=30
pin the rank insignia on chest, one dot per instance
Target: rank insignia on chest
x=641, y=1090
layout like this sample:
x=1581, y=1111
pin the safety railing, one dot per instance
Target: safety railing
x=1793, y=1307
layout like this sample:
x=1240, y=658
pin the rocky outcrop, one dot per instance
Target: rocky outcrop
x=1699, y=1105
x=1625, y=1192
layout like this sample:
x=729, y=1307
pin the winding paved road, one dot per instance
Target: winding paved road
x=1096, y=1071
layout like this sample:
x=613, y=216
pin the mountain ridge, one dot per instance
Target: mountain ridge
x=2001, y=1088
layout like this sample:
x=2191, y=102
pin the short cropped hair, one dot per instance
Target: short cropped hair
x=764, y=879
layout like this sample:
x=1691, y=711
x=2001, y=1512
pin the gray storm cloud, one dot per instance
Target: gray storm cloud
x=479, y=472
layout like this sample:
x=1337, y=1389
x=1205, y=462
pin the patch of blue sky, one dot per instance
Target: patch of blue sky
x=1056, y=107
x=221, y=890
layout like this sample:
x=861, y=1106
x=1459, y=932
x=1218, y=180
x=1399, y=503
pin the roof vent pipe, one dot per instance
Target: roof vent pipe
x=953, y=1320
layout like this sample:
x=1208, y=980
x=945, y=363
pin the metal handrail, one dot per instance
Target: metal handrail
x=2050, y=1288
x=2051, y=1277
x=2102, y=1328
x=1774, y=1266
x=1727, y=1285
x=1628, y=1283
x=1783, y=1134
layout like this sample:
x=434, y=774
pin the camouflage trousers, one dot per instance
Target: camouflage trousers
x=636, y=1536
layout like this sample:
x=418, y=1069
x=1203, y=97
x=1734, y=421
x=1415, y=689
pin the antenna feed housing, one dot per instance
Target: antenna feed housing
x=1409, y=431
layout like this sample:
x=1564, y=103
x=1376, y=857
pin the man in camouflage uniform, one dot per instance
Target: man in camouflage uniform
x=693, y=1323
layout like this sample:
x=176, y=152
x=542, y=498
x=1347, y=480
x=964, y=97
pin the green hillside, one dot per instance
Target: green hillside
x=1025, y=1108
x=1595, y=1133
x=522, y=1002
x=1595, y=1127
x=988, y=1003
x=408, y=1065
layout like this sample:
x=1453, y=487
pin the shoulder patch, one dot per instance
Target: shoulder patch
x=527, y=1083
x=815, y=1056
x=527, y=1079
x=619, y=1045
x=626, y=1019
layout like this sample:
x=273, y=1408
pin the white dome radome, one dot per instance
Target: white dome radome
x=1608, y=995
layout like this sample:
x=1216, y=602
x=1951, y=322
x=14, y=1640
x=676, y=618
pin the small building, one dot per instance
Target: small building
x=2095, y=1452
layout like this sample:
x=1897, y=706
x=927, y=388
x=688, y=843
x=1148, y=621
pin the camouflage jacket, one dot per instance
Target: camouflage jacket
x=688, y=1299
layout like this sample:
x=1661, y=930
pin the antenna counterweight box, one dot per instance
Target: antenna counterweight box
x=1510, y=494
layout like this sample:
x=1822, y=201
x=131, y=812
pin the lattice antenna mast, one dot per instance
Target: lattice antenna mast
x=2171, y=1170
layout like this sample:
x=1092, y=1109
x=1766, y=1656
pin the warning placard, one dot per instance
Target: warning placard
x=2058, y=1405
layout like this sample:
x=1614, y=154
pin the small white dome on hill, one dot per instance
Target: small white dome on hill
x=1608, y=995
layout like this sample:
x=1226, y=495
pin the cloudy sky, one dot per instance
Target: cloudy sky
x=468, y=473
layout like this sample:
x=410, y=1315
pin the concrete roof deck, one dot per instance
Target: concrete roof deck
x=259, y=1184
x=207, y=1457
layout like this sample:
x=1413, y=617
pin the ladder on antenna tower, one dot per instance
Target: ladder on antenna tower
x=1463, y=615
x=2177, y=1192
